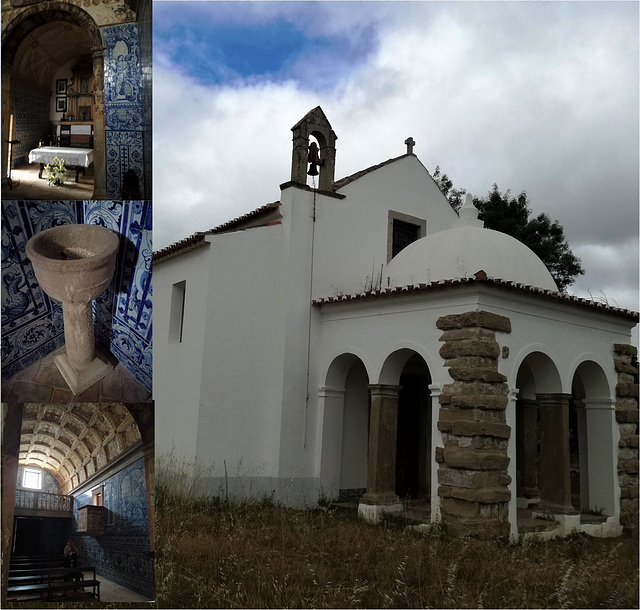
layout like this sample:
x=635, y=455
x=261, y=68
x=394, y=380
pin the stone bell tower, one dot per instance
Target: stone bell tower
x=304, y=159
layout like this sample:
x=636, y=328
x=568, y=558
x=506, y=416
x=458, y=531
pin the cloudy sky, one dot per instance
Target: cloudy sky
x=534, y=96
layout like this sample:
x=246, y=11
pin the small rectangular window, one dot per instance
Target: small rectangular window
x=176, y=320
x=403, y=230
x=32, y=479
x=404, y=233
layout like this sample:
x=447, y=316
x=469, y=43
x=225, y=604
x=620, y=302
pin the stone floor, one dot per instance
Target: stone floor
x=27, y=186
x=43, y=382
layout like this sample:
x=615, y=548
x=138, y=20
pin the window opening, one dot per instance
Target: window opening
x=404, y=233
x=176, y=321
x=32, y=479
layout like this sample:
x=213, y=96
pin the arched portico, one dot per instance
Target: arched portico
x=24, y=24
x=595, y=432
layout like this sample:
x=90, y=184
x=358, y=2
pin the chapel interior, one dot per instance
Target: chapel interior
x=80, y=474
x=75, y=78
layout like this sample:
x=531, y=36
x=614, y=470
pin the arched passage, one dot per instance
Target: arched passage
x=41, y=37
x=345, y=401
x=593, y=441
x=542, y=436
x=414, y=445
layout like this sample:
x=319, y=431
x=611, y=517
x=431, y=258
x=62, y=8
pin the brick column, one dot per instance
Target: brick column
x=555, y=484
x=472, y=474
x=626, y=366
x=381, y=461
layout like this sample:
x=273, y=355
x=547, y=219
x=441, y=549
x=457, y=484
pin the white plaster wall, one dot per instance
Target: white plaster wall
x=351, y=233
x=177, y=367
x=355, y=430
x=241, y=396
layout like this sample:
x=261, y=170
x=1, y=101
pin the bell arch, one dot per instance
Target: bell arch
x=316, y=124
x=17, y=30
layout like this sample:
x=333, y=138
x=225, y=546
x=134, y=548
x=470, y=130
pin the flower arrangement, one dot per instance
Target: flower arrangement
x=56, y=171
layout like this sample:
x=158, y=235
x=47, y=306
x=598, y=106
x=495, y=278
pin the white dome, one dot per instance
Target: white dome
x=465, y=249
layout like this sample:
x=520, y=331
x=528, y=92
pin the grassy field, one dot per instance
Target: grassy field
x=216, y=554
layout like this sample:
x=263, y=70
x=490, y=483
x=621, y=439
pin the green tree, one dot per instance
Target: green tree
x=512, y=215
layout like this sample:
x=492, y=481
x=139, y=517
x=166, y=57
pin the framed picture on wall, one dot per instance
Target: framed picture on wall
x=61, y=86
x=61, y=104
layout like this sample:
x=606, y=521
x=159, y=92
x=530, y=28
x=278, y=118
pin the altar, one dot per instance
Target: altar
x=78, y=158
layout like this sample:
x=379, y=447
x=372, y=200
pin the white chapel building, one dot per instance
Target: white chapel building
x=363, y=341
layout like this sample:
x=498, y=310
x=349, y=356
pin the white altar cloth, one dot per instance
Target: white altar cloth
x=82, y=157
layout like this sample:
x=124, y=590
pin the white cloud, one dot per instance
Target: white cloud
x=540, y=97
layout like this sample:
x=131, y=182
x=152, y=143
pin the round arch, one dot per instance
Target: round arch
x=21, y=26
x=589, y=378
x=536, y=368
x=340, y=366
x=396, y=360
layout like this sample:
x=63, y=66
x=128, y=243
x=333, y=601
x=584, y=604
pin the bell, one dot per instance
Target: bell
x=314, y=159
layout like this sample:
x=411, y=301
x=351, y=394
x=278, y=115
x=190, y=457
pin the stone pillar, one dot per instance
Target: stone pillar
x=99, y=131
x=472, y=474
x=555, y=484
x=626, y=366
x=11, y=427
x=527, y=443
x=381, y=463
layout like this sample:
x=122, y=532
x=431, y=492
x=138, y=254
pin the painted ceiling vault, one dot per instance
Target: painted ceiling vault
x=73, y=442
x=47, y=48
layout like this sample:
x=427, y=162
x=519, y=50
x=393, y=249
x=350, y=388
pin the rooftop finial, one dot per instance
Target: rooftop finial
x=469, y=214
x=410, y=142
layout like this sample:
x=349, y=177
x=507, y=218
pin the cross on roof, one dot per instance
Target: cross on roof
x=410, y=144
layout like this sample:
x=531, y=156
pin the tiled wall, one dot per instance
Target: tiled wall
x=123, y=108
x=122, y=553
x=49, y=483
x=31, y=111
x=32, y=323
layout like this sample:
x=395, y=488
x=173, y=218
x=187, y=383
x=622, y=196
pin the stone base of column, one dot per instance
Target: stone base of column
x=80, y=380
x=372, y=506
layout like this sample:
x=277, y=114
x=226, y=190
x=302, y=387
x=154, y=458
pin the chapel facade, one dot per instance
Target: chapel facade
x=361, y=341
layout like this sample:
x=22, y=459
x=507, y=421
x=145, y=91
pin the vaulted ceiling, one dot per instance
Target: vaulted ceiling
x=74, y=441
x=46, y=49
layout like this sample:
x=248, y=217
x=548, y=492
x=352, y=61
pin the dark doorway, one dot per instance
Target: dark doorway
x=414, y=432
x=28, y=536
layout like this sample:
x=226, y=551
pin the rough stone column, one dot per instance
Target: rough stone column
x=626, y=366
x=11, y=427
x=528, y=449
x=472, y=474
x=99, y=135
x=555, y=483
x=383, y=430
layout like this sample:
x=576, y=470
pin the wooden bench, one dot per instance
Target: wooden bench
x=47, y=589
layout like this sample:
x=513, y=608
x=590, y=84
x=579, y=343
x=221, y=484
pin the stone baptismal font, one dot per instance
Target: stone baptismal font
x=75, y=264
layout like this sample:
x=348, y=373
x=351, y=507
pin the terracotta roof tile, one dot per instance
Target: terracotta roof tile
x=482, y=278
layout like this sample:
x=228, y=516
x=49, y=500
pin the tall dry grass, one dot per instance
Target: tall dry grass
x=219, y=554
